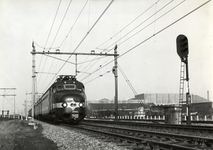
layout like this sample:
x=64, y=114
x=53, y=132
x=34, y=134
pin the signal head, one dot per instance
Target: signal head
x=182, y=46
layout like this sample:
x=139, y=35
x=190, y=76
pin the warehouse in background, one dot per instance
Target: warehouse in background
x=148, y=106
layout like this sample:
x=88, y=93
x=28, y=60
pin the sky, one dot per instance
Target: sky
x=145, y=32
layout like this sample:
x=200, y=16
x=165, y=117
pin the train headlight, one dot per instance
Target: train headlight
x=64, y=104
x=81, y=104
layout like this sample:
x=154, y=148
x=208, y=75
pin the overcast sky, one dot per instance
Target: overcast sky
x=145, y=29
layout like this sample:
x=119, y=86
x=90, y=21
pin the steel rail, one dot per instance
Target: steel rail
x=140, y=141
x=208, y=129
x=191, y=138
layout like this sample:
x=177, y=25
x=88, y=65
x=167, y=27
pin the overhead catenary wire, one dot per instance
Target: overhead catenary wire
x=52, y=24
x=153, y=22
x=55, y=38
x=91, y=64
x=155, y=17
x=132, y=29
x=98, y=77
x=92, y=27
x=158, y=32
x=154, y=14
x=48, y=38
x=59, y=59
x=126, y=27
x=59, y=30
x=83, y=39
x=128, y=24
x=91, y=60
x=55, y=58
x=96, y=70
x=97, y=48
x=45, y=48
x=89, y=31
x=74, y=23
x=61, y=23
x=166, y=26
x=89, y=15
x=67, y=33
x=145, y=26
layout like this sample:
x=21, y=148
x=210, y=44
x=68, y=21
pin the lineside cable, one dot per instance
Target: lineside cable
x=130, y=85
x=127, y=80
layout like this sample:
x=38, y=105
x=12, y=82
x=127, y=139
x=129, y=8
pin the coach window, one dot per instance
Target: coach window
x=60, y=87
x=70, y=86
x=54, y=90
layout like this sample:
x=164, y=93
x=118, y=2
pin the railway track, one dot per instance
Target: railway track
x=146, y=139
x=191, y=129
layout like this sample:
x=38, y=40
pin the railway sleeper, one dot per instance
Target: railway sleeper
x=124, y=143
x=109, y=139
x=208, y=144
x=201, y=142
x=132, y=144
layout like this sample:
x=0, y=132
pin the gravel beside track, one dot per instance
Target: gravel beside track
x=75, y=140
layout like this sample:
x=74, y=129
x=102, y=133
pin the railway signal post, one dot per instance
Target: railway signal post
x=183, y=51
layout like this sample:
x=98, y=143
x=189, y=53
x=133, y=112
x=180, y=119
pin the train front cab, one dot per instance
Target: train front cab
x=69, y=103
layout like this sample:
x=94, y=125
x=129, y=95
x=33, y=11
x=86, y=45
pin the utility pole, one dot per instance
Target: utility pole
x=116, y=82
x=33, y=80
x=76, y=65
x=36, y=93
x=25, y=108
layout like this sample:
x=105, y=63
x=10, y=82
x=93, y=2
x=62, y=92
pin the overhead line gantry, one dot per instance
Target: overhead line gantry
x=8, y=94
x=115, y=67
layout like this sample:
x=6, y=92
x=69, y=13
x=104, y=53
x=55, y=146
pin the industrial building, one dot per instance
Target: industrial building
x=146, y=104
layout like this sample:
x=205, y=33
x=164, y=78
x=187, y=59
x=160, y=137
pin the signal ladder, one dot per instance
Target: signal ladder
x=181, y=91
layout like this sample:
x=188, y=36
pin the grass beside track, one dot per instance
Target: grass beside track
x=19, y=135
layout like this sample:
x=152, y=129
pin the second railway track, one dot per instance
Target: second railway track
x=143, y=139
x=133, y=124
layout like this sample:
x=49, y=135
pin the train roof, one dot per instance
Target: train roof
x=65, y=77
